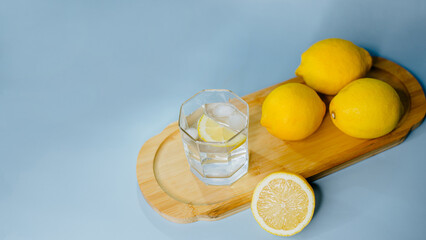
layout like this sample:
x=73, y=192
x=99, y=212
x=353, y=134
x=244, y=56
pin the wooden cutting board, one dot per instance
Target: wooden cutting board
x=174, y=192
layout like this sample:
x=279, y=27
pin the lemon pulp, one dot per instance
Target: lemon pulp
x=210, y=130
x=283, y=203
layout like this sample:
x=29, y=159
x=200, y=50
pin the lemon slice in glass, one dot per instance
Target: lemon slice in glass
x=211, y=131
x=283, y=203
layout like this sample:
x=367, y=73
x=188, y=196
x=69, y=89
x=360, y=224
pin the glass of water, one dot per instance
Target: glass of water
x=214, y=127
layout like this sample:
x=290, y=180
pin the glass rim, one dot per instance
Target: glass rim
x=246, y=125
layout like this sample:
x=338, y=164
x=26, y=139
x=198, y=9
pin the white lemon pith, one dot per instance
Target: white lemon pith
x=211, y=131
x=283, y=203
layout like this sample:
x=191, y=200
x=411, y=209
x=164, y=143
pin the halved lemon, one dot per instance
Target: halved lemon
x=211, y=131
x=283, y=203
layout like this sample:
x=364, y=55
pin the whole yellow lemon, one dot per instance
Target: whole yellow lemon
x=366, y=108
x=330, y=64
x=292, y=111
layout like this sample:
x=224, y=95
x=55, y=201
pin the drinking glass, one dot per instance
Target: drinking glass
x=214, y=128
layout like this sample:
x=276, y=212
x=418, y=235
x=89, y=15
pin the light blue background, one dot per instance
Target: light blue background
x=84, y=83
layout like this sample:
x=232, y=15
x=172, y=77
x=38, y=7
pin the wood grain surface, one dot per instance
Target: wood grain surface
x=174, y=192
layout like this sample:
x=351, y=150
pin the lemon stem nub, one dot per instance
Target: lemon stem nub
x=333, y=115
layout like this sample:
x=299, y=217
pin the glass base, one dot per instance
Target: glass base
x=222, y=181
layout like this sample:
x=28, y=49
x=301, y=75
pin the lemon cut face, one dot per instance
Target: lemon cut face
x=211, y=131
x=283, y=203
